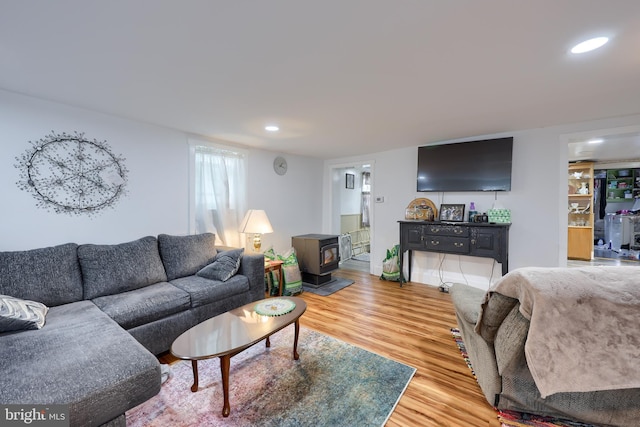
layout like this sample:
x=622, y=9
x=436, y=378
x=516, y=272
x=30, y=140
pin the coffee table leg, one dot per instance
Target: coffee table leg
x=225, y=362
x=295, y=340
x=194, y=365
x=268, y=341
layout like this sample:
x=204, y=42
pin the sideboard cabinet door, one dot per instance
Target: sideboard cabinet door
x=486, y=242
x=413, y=237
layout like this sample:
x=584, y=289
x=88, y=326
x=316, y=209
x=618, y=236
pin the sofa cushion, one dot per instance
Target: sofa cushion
x=510, y=340
x=81, y=358
x=47, y=275
x=494, y=313
x=144, y=305
x=204, y=291
x=466, y=301
x=186, y=255
x=224, y=265
x=112, y=269
x=18, y=314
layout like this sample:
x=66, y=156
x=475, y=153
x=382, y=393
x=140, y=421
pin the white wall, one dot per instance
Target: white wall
x=298, y=203
x=537, y=201
x=158, y=181
x=350, y=198
x=293, y=202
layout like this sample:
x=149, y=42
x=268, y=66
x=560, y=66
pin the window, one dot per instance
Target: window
x=219, y=191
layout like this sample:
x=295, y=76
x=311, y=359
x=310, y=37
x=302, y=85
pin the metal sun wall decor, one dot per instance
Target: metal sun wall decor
x=71, y=174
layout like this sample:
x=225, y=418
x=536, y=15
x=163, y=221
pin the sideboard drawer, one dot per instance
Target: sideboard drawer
x=459, y=245
x=446, y=230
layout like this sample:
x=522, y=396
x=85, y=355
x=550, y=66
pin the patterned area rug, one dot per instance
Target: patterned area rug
x=332, y=384
x=513, y=418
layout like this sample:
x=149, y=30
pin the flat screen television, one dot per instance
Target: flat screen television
x=483, y=165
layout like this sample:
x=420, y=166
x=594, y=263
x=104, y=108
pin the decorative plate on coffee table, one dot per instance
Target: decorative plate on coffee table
x=274, y=307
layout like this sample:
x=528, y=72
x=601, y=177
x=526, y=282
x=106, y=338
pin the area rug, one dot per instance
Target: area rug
x=513, y=418
x=332, y=384
x=328, y=288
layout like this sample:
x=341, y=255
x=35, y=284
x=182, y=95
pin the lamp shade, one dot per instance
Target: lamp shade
x=255, y=221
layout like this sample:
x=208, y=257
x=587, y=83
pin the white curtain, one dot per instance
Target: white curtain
x=220, y=193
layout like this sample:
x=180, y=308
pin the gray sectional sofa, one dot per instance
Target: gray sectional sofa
x=111, y=308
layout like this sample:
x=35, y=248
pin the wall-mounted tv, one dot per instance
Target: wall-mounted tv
x=483, y=165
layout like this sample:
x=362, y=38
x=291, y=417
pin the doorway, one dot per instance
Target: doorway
x=352, y=214
x=613, y=151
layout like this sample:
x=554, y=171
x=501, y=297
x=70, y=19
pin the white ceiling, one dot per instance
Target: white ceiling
x=607, y=148
x=340, y=77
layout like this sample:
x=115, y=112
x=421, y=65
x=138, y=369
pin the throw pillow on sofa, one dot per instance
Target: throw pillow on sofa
x=18, y=314
x=224, y=265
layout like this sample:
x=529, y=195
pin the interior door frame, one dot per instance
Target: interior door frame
x=328, y=223
x=565, y=139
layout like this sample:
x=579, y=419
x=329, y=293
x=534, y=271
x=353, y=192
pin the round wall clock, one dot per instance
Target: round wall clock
x=71, y=174
x=280, y=165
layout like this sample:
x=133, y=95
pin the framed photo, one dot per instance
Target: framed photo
x=351, y=179
x=453, y=213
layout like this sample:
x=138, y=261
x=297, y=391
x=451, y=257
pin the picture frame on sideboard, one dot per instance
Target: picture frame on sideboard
x=452, y=212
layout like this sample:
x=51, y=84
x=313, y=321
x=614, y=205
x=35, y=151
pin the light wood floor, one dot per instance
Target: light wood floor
x=411, y=325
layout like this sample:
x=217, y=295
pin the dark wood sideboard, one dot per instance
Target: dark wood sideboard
x=486, y=240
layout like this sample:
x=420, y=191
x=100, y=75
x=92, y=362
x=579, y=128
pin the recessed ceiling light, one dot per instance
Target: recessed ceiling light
x=589, y=45
x=272, y=128
x=596, y=141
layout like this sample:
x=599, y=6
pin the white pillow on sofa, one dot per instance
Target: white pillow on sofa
x=18, y=314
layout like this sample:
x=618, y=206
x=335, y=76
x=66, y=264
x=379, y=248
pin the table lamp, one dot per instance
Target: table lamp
x=256, y=222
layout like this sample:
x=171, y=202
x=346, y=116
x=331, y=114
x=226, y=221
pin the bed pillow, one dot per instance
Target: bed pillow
x=18, y=314
x=224, y=265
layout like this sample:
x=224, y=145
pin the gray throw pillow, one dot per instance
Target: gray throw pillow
x=224, y=265
x=18, y=314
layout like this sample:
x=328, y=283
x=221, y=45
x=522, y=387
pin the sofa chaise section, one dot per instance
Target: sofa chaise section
x=82, y=358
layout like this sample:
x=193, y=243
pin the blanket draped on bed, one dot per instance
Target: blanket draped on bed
x=584, y=332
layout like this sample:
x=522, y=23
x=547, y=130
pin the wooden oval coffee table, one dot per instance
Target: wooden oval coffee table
x=230, y=333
